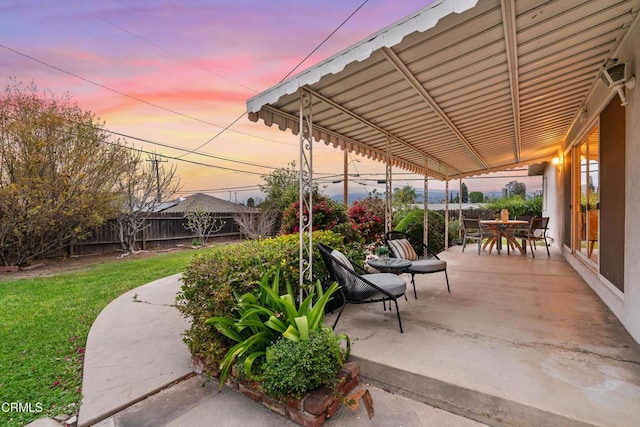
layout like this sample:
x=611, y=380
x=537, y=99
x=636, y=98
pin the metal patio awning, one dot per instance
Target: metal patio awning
x=461, y=87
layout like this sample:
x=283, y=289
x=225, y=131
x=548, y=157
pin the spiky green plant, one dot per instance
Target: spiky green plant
x=265, y=317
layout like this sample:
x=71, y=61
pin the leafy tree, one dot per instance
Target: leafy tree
x=464, y=193
x=402, y=201
x=515, y=188
x=281, y=189
x=251, y=202
x=404, y=196
x=145, y=183
x=476, y=197
x=58, y=170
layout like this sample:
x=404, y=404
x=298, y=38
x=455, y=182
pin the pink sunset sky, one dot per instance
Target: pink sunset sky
x=177, y=73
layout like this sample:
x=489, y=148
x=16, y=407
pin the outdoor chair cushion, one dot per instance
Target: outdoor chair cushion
x=342, y=258
x=401, y=248
x=391, y=283
x=428, y=265
x=346, y=277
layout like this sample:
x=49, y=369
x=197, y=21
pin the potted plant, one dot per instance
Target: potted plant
x=383, y=252
x=284, y=351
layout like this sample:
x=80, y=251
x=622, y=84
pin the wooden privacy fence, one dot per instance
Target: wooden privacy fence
x=162, y=230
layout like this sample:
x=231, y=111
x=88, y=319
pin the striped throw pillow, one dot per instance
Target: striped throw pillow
x=401, y=248
x=345, y=278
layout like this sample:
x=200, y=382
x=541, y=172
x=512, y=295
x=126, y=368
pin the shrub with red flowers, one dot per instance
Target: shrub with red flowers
x=367, y=217
x=327, y=215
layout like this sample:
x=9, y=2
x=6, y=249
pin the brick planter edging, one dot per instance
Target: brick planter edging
x=309, y=411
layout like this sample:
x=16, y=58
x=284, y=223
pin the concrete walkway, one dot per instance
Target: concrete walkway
x=134, y=349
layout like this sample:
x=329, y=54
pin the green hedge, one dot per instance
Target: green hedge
x=212, y=278
x=413, y=224
x=518, y=206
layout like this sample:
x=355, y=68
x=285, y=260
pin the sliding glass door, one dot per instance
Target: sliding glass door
x=587, y=155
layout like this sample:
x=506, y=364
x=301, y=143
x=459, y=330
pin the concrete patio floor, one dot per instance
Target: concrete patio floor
x=518, y=341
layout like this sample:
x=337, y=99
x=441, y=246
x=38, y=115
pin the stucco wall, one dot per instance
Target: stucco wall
x=626, y=306
x=552, y=206
x=632, y=224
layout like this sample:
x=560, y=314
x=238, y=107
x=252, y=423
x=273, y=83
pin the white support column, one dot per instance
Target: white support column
x=446, y=214
x=460, y=211
x=306, y=192
x=425, y=239
x=388, y=211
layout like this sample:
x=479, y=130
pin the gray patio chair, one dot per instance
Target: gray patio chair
x=521, y=229
x=472, y=231
x=536, y=232
x=361, y=287
x=423, y=260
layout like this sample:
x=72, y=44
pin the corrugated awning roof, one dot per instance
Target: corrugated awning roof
x=470, y=86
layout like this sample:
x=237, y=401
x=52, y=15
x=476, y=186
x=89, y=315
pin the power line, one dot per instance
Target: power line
x=185, y=160
x=39, y=61
x=163, y=49
x=289, y=73
x=224, y=129
x=140, y=150
x=123, y=135
x=228, y=159
x=324, y=41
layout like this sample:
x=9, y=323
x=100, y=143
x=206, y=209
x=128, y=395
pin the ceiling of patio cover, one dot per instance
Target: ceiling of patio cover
x=470, y=86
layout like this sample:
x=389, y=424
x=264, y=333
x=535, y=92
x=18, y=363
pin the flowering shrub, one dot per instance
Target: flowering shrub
x=327, y=214
x=367, y=217
x=212, y=278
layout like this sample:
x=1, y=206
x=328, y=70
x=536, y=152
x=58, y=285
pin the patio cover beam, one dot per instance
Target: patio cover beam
x=381, y=130
x=336, y=139
x=415, y=84
x=511, y=43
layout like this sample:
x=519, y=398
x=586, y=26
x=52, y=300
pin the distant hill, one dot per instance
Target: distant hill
x=435, y=196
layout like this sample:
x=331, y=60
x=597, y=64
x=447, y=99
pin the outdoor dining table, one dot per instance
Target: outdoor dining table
x=501, y=229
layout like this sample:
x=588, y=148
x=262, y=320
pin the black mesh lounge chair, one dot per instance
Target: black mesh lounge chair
x=361, y=287
x=423, y=260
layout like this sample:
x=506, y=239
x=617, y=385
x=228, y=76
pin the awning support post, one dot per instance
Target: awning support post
x=425, y=239
x=306, y=192
x=460, y=211
x=446, y=214
x=388, y=210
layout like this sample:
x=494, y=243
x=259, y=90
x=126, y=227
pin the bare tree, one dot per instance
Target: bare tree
x=203, y=223
x=255, y=225
x=146, y=183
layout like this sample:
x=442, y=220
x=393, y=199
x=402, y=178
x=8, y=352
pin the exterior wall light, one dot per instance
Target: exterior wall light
x=613, y=76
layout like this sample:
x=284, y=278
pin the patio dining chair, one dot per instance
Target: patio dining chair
x=473, y=231
x=423, y=260
x=361, y=287
x=536, y=232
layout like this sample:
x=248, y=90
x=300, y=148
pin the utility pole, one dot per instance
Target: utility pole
x=346, y=178
x=156, y=161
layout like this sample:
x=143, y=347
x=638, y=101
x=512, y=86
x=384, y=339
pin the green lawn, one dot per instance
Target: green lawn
x=44, y=323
